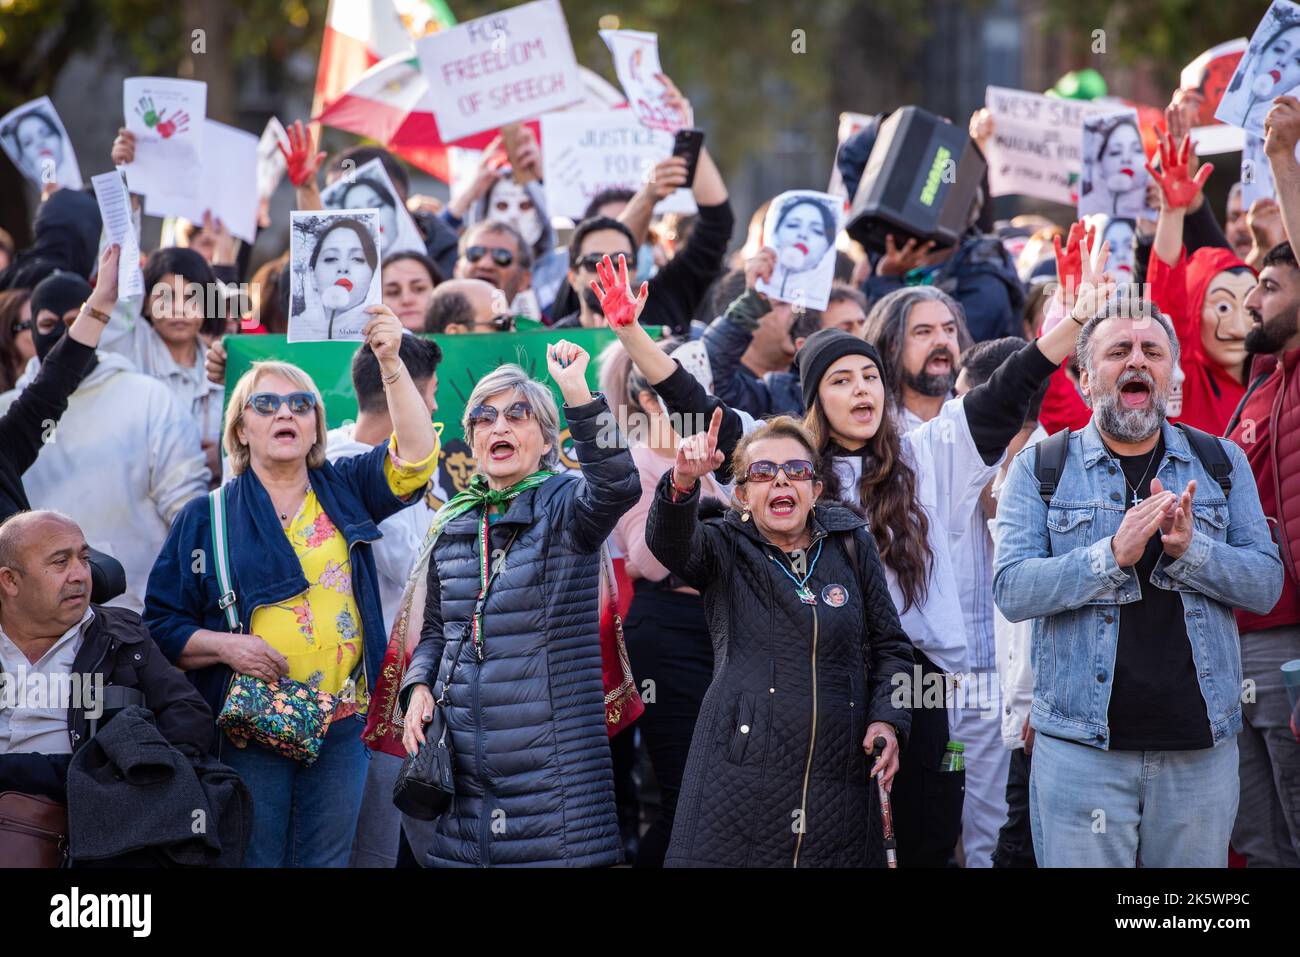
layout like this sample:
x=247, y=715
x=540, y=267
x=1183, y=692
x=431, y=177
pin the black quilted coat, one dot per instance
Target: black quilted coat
x=534, y=781
x=777, y=776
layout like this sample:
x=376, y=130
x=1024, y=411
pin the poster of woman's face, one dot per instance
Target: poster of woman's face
x=1115, y=176
x=334, y=267
x=1269, y=69
x=801, y=226
x=368, y=187
x=35, y=140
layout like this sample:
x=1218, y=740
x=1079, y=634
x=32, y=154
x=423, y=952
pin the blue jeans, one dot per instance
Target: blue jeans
x=1094, y=808
x=304, y=816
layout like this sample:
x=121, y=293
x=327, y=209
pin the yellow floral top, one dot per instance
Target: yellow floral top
x=319, y=630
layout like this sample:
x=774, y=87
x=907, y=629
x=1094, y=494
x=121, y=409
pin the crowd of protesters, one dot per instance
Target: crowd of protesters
x=1005, y=532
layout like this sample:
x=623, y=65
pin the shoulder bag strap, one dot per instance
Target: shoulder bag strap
x=228, y=603
x=478, y=610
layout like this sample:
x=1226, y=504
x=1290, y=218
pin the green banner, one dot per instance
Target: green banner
x=465, y=360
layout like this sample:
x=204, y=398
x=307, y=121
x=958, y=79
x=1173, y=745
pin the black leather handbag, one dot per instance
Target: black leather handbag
x=426, y=783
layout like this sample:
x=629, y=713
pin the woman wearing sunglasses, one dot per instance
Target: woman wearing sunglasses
x=16, y=345
x=299, y=532
x=519, y=673
x=920, y=490
x=807, y=644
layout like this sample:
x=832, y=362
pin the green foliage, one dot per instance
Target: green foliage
x=1168, y=34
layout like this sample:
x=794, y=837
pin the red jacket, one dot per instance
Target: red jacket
x=1210, y=393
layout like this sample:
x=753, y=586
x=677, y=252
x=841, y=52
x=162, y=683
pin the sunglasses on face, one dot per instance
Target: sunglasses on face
x=268, y=403
x=21, y=326
x=502, y=257
x=591, y=260
x=501, y=323
x=487, y=414
x=796, y=470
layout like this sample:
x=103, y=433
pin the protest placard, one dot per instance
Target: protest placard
x=513, y=65
x=35, y=139
x=227, y=183
x=801, y=226
x=167, y=117
x=271, y=165
x=1036, y=149
x=585, y=153
x=1115, y=177
x=334, y=268
x=636, y=62
x=119, y=227
x=1268, y=69
x=368, y=187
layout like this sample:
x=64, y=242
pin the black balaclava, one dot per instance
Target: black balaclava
x=58, y=292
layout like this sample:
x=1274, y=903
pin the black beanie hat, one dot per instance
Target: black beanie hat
x=57, y=292
x=820, y=351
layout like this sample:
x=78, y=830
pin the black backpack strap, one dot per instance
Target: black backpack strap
x=1209, y=449
x=851, y=547
x=1049, y=462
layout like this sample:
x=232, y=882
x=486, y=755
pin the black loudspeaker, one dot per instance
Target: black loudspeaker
x=921, y=182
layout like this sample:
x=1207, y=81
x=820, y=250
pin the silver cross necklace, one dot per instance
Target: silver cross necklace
x=1137, y=499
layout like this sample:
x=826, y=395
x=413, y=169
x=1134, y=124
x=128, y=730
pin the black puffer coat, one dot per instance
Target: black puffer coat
x=534, y=780
x=777, y=776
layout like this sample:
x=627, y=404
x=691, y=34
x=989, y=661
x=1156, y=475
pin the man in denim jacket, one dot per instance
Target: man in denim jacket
x=1132, y=572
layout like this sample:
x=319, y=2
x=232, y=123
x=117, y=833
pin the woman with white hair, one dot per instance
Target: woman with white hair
x=510, y=645
x=303, y=592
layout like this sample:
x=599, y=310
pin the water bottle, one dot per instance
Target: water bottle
x=954, y=758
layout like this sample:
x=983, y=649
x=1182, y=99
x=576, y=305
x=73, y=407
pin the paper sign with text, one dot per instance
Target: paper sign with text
x=587, y=153
x=509, y=66
x=1036, y=149
x=167, y=117
x=636, y=61
x=119, y=227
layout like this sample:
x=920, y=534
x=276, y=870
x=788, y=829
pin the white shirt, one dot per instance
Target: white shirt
x=950, y=474
x=35, y=698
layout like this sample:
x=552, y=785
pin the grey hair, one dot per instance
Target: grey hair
x=1123, y=307
x=887, y=327
x=512, y=378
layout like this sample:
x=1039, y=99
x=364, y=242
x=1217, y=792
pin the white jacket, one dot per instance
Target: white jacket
x=122, y=462
x=394, y=553
x=131, y=336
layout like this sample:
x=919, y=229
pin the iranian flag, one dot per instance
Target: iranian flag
x=361, y=33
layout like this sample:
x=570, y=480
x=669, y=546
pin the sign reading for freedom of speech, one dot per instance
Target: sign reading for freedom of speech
x=509, y=66
x=1037, y=144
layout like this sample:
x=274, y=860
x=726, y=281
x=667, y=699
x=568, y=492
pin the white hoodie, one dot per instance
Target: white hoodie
x=122, y=462
x=403, y=533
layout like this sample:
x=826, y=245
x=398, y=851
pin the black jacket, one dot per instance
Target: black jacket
x=534, y=778
x=779, y=738
x=66, y=236
x=118, y=646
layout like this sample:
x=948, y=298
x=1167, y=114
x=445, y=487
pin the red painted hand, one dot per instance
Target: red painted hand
x=301, y=157
x=1179, y=188
x=615, y=297
x=1069, y=262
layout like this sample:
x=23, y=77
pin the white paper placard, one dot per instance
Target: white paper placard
x=586, y=153
x=271, y=165
x=227, y=184
x=636, y=62
x=119, y=227
x=334, y=270
x=801, y=225
x=37, y=142
x=509, y=66
x=1036, y=148
x=1269, y=68
x=1115, y=176
x=368, y=187
x=167, y=117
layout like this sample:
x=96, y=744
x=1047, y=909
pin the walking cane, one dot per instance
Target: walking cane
x=886, y=812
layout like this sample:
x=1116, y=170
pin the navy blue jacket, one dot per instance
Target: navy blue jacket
x=182, y=594
x=981, y=276
x=777, y=393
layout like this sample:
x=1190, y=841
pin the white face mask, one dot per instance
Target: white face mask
x=510, y=203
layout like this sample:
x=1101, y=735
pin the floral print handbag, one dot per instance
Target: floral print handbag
x=288, y=716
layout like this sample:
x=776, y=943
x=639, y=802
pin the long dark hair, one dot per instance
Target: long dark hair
x=11, y=307
x=889, y=499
